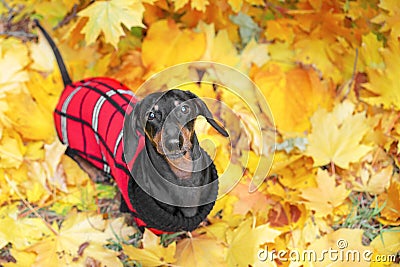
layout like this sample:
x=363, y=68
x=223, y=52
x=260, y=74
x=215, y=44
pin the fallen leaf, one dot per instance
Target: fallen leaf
x=53, y=11
x=254, y=201
x=247, y=240
x=199, y=5
x=62, y=248
x=281, y=29
x=326, y=197
x=200, y=251
x=370, y=52
x=385, y=245
x=111, y=14
x=13, y=59
x=216, y=231
x=169, y=34
x=382, y=84
x=390, y=201
x=390, y=18
x=152, y=253
x=42, y=55
x=291, y=114
x=347, y=247
x=254, y=53
x=286, y=216
x=219, y=46
x=373, y=181
x=29, y=119
x=336, y=136
x=12, y=150
x=21, y=232
x=21, y=257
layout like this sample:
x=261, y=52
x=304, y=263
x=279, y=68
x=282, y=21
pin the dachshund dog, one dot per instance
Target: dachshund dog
x=150, y=148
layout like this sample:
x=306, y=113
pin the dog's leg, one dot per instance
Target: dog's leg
x=95, y=174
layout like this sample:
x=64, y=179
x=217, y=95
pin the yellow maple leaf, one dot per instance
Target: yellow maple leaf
x=34, y=192
x=34, y=151
x=347, y=245
x=21, y=232
x=200, y=251
x=21, y=257
x=323, y=40
x=216, y=231
x=79, y=61
x=219, y=47
x=167, y=35
x=12, y=150
x=246, y=240
x=309, y=233
x=255, y=201
x=281, y=29
x=294, y=171
x=131, y=71
x=373, y=181
x=54, y=11
x=236, y=5
x=153, y=253
x=336, y=136
x=42, y=55
x=13, y=59
x=215, y=146
x=45, y=91
x=224, y=208
x=390, y=201
x=80, y=236
x=107, y=17
x=383, y=84
x=74, y=175
x=253, y=53
x=387, y=243
x=370, y=52
x=199, y=5
x=316, y=51
x=29, y=119
x=291, y=114
x=326, y=197
x=390, y=19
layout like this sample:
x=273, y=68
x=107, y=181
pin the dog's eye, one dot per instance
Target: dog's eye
x=185, y=109
x=151, y=116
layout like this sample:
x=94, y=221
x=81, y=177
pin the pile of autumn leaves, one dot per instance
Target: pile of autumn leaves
x=328, y=69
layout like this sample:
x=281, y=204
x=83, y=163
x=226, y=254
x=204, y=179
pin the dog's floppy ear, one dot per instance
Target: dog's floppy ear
x=203, y=110
x=131, y=133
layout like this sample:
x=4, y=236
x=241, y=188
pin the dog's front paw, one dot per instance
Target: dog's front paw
x=189, y=211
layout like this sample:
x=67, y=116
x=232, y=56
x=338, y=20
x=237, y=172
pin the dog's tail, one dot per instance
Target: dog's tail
x=64, y=73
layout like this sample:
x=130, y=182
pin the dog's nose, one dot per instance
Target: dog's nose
x=172, y=144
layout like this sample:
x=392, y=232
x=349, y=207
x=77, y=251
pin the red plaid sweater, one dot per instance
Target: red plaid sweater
x=89, y=120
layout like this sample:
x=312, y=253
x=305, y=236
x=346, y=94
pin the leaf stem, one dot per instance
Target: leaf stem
x=29, y=206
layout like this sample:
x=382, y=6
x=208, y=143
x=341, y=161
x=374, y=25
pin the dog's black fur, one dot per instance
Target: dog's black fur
x=171, y=104
x=171, y=146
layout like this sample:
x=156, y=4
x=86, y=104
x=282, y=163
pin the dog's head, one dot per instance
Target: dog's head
x=167, y=120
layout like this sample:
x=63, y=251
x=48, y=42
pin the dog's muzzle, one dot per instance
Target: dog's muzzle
x=173, y=142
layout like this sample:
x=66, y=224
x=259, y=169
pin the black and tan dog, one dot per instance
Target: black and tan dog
x=149, y=147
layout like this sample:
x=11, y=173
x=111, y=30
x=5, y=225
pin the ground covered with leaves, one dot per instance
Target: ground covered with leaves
x=329, y=71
